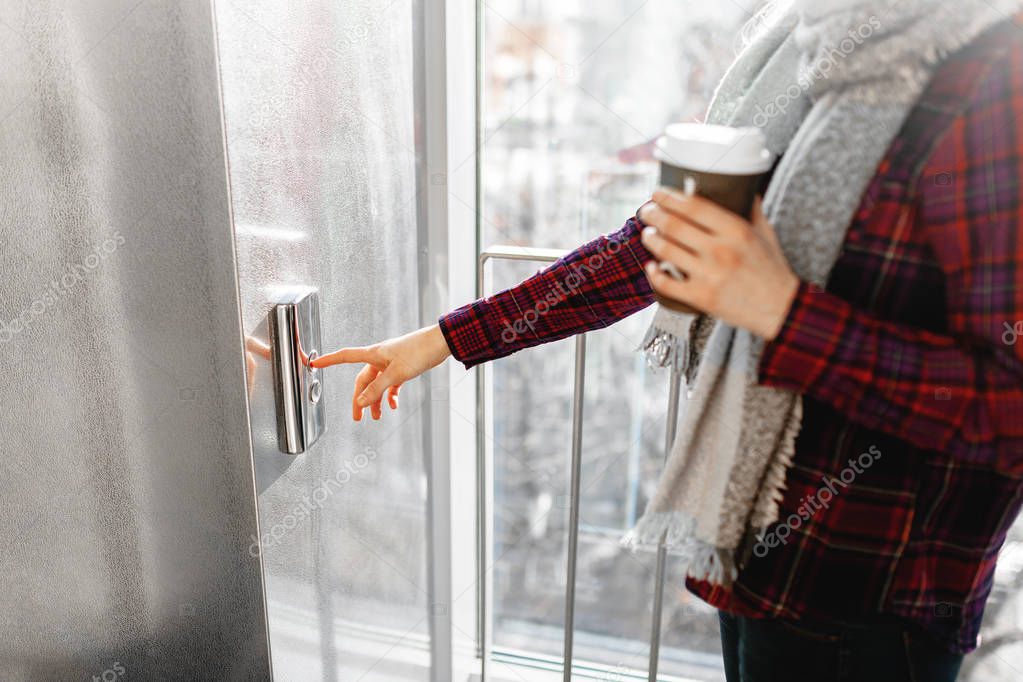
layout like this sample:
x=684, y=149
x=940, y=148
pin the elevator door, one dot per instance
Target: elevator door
x=320, y=117
x=125, y=468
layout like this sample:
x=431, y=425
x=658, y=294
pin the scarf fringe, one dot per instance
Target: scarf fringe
x=666, y=349
x=677, y=530
x=772, y=491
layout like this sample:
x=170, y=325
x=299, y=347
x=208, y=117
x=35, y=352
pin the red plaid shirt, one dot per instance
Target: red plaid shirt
x=909, y=354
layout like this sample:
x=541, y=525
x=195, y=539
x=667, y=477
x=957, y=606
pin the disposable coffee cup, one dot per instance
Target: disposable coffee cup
x=726, y=165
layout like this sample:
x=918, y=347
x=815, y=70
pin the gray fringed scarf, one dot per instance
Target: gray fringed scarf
x=830, y=83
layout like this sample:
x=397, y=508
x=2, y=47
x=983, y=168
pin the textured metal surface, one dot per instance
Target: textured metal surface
x=125, y=474
x=322, y=149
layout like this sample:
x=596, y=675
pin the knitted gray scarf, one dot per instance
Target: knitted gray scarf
x=830, y=83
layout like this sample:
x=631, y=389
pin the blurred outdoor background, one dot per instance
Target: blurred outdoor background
x=573, y=92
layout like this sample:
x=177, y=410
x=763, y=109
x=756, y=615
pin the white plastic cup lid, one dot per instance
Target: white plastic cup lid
x=707, y=148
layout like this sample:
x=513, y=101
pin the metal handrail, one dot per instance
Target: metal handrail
x=574, y=487
x=674, y=397
x=485, y=481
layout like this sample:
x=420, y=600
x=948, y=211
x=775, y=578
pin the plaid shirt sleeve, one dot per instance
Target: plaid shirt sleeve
x=592, y=287
x=959, y=391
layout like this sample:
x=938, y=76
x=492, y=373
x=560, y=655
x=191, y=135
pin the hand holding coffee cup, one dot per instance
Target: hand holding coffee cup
x=732, y=265
x=725, y=165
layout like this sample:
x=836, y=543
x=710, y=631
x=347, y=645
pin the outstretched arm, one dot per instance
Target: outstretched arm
x=592, y=287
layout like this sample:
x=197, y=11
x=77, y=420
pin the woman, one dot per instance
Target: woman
x=899, y=192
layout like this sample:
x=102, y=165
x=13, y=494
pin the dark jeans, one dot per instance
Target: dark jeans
x=777, y=650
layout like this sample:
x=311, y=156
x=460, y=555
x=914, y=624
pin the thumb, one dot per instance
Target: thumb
x=762, y=226
x=375, y=390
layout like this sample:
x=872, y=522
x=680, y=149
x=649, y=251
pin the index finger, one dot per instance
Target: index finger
x=347, y=356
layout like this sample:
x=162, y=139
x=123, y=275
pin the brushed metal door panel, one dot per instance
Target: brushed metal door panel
x=126, y=497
